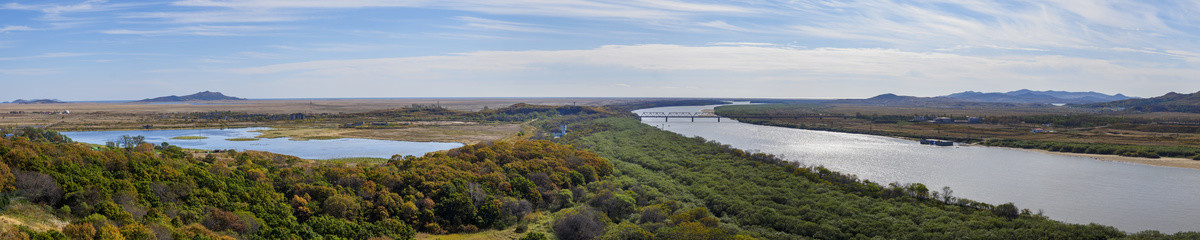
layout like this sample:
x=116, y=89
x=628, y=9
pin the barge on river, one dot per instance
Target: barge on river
x=937, y=142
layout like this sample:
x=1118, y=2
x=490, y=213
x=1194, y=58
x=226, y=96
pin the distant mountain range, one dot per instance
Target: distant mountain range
x=1030, y=96
x=200, y=96
x=36, y=101
x=889, y=99
x=1171, y=102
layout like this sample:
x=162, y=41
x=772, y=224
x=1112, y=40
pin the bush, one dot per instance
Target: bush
x=38, y=187
x=535, y=236
x=581, y=224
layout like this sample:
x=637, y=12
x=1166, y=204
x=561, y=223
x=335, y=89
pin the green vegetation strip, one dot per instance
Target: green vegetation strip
x=189, y=137
x=357, y=160
x=1100, y=148
x=241, y=139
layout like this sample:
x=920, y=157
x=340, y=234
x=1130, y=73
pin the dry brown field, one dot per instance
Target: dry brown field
x=103, y=115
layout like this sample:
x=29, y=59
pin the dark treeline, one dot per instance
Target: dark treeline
x=1100, y=148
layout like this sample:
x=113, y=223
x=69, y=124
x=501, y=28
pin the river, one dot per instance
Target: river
x=1131, y=197
x=215, y=139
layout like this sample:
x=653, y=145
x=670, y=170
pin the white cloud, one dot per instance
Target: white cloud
x=475, y=23
x=238, y=16
x=753, y=67
x=56, y=12
x=10, y=28
x=637, y=9
x=195, y=30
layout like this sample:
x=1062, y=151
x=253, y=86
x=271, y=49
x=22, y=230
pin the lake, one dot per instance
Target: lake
x=1131, y=197
x=310, y=149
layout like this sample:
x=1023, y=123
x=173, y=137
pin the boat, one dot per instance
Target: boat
x=937, y=142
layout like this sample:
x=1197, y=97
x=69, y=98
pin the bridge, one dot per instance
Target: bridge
x=669, y=115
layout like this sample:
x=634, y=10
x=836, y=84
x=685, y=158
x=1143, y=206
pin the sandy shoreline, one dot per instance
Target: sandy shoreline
x=1161, y=162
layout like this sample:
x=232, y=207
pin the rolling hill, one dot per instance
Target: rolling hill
x=1030, y=96
x=200, y=96
x=1171, y=102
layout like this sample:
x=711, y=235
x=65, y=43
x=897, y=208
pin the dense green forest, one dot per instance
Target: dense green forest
x=608, y=178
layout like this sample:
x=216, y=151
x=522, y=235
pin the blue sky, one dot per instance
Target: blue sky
x=115, y=50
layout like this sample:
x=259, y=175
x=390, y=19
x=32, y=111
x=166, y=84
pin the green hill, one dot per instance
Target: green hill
x=1171, y=102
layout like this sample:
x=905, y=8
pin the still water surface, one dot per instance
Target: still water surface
x=311, y=149
x=1131, y=197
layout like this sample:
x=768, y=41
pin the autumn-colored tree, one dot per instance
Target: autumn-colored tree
x=107, y=231
x=7, y=181
x=137, y=231
x=80, y=231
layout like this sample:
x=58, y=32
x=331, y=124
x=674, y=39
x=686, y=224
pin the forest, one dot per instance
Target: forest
x=610, y=177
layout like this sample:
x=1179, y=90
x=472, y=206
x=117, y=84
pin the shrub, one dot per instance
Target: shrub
x=581, y=224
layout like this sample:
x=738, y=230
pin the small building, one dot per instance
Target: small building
x=919, y=119
x=562, y=131
x=943, y=120
x=974, y=120
x=1038, y=130
x=66, y=112
x=296, y=116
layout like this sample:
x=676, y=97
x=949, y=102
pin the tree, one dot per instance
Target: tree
x=627, y=231
x=80, y=230
x=535, y=236
x=616, y=206
x=38, y=187
x=342, y=206
x=108, y=232
x=137, y=231
x=7, y=181
x=130, y=142
x=581, y=224
x=395, y=229
x=1007, y=210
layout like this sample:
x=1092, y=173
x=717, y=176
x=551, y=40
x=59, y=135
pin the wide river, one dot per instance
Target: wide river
x=311, y=149
x=1131, y=197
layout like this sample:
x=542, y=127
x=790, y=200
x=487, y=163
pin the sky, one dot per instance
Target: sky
x=123, y=50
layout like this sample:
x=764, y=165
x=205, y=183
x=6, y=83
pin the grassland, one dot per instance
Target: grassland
x=34, y=216
x=189, y=137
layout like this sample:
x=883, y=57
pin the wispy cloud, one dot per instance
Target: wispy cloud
x=637, y=9
x=28, y=71
x=46, y=55
x=196, y=30
x=10, y=28
x=232, y=16
x=475, y=23
x=58, y=12
x=880, y=68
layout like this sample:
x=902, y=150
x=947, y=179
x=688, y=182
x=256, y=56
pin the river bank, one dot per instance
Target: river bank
x=1161, y=162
